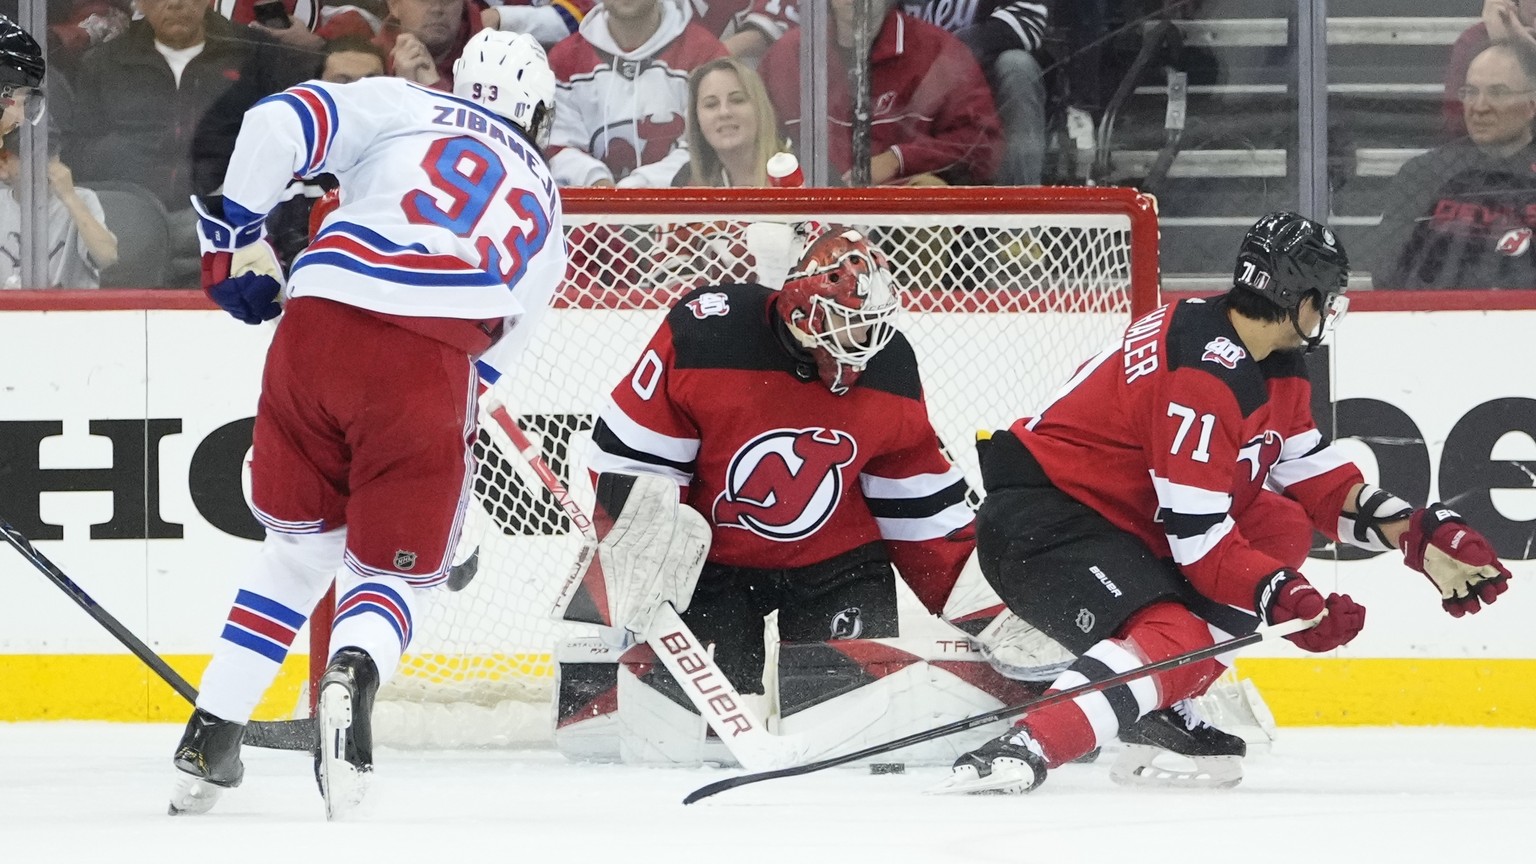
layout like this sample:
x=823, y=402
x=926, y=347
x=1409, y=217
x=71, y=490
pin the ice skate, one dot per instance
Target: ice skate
x=207, y=762
x=1012, y=764
x=1211, y=758
x=344, y=763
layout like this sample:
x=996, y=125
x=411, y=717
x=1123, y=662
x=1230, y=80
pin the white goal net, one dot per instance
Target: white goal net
x=1005, y=292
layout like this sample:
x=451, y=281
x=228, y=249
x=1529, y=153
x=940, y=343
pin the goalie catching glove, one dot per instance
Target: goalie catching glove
x=1458, y=560
x=240, y=269
x=651, y=548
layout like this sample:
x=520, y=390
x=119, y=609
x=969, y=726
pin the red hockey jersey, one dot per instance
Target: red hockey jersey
x=725, y=17
x=788, y=474
x=1175, y=428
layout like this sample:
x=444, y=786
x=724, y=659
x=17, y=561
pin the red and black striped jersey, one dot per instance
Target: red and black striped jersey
x=1175, y=428
x=788, y=474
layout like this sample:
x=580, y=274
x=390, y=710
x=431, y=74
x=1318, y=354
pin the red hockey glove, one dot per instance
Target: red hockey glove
x=1287, y=595
x=1458, y=560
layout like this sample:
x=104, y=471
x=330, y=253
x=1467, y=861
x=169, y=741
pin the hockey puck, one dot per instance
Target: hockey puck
x=887, y=768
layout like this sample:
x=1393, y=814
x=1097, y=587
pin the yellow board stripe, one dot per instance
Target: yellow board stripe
x=1301, y=692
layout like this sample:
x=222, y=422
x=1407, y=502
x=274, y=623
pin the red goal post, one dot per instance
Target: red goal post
x=1005, y=291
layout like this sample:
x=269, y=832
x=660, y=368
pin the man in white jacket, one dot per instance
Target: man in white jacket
x=622, y=94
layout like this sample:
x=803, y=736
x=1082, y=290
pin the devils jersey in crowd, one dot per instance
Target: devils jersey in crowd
x=622, y=114
x=726, y=17
x=1175, y=429
x=787, y=473
x=1457, y=217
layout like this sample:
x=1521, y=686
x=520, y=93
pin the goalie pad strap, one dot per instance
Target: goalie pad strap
x=1374, y=507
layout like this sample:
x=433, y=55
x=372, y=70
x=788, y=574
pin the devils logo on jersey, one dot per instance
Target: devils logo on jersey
x=1261, y=453
x=785, y=483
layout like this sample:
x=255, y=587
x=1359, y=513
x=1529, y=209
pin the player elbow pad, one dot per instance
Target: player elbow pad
x=1374, y=507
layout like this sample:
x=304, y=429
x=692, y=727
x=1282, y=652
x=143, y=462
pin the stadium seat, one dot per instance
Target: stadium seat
x=143, y=235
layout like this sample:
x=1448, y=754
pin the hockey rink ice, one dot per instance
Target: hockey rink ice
x=96, y=792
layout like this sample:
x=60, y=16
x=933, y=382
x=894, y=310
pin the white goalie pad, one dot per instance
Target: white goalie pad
x=650, y=550
x=1235, y=705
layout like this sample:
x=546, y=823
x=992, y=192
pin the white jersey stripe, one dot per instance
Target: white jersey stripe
x=647, y=440
x=1192, y=500
x=916, y=486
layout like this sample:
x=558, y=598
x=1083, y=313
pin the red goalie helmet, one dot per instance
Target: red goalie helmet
x=838, y=303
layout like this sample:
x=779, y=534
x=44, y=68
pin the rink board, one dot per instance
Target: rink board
x=120, y=430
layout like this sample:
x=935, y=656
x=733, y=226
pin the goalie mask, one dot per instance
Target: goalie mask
x=509, y=74
x=838, y=303
x=1284, y=258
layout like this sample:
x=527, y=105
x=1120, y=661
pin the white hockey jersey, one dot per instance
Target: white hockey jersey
x=447, y=210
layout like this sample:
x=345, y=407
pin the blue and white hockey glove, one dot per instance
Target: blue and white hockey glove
x=240, y=269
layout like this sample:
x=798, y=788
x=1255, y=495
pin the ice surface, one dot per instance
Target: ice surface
x=97, y=793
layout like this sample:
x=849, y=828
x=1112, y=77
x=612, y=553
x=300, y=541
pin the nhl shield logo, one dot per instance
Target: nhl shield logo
x=404, y=560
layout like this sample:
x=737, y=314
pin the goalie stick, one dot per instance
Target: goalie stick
x=273, y=735
x=1282, y=629
x=710, y=691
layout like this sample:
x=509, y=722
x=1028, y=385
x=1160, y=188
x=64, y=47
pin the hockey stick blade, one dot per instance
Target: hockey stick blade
x=1272, y=632
x=278, y=735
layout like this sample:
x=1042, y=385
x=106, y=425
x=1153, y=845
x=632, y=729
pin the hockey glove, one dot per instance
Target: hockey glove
x=1458, y=560
x=1287, y=595
x=239, y=269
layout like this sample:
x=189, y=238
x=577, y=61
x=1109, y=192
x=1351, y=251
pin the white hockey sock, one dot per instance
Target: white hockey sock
x=374, y=614
x=275, y=597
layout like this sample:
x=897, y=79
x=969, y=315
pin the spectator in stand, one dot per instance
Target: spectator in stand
x=732, y=130
x=160, y=106
x=424, y=37
x=1505, y=22
x=1003, y=36
x=934, y=120
x=746, y=27
x=548, y=21
x=1461, y=215
x=622, y=94
x=351, y=59
x=79, y=244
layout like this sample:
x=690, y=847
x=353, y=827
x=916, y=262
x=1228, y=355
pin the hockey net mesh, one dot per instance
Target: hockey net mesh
x=1002, y=298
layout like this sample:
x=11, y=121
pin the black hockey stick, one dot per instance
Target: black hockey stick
x=1283, y=629
x=273, y=735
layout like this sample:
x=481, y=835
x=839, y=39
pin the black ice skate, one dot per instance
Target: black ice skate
x=207, y=762
x=344, y=763
x=1212, y=759
x=1008, y=765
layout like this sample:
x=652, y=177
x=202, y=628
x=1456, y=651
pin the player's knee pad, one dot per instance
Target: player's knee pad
x=866, y=691
x=1164, y=630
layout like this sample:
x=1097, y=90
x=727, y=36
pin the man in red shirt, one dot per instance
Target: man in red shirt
x=932, y=109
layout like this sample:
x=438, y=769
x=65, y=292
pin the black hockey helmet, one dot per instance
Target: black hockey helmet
x=21, y=58
x=1286, y=256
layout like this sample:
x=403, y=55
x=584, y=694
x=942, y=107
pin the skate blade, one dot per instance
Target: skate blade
x=341, y=784
x=1008, y=777
x=1142, y=766
x=192, y=796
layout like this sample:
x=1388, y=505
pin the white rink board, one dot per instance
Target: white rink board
x=202, y=370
